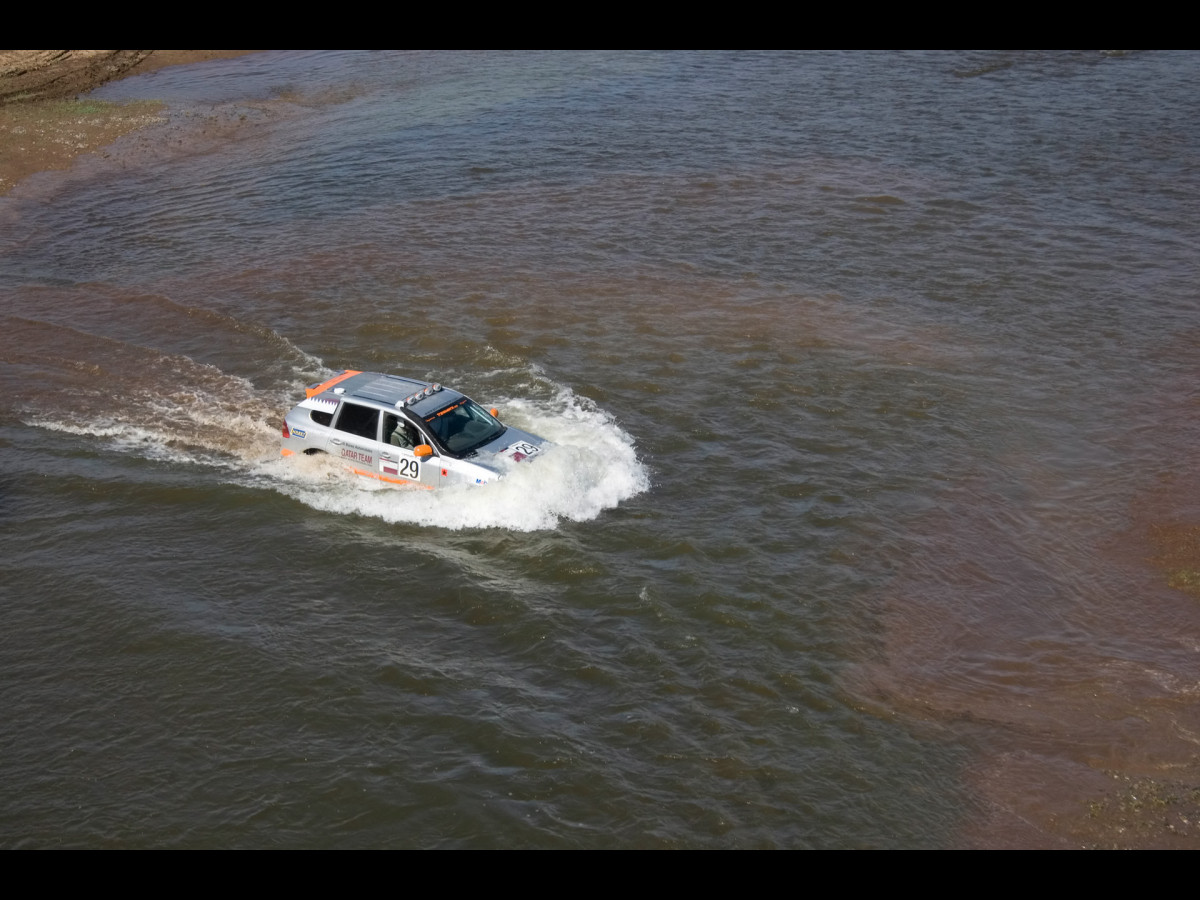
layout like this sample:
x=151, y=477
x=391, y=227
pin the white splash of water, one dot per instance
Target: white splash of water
x=591, y=466
x=217, y=420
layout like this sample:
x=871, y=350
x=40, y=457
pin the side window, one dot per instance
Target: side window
x=321, y=418
x=399, y=433
x=358, y=420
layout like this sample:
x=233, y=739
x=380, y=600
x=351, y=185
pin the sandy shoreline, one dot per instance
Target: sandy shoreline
x=45, y=119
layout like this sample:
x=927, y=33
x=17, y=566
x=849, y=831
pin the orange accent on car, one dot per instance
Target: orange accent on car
x=321, y=388
x=286, y=452
x=375, y=475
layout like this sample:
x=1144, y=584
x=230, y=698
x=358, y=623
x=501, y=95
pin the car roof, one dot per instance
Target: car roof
x=377, y=388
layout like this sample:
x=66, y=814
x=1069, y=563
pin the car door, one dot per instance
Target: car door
x=397, y=461
x=428, y=471
x=355, y=436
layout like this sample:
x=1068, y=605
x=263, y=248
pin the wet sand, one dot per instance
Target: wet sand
x=46, y=121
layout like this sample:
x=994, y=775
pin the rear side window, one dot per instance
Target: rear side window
x=321, y=418
x=359, y=420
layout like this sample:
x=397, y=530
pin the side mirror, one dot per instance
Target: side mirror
x=495, y=412
x=423, y=451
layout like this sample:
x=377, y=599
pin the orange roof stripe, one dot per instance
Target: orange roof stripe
x=321, y=388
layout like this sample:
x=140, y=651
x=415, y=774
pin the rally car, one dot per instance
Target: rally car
x=404, y=431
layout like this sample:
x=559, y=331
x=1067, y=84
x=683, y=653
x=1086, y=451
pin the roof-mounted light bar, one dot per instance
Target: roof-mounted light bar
x=418, y=395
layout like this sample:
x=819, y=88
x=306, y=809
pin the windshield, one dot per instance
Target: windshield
x=463, y=426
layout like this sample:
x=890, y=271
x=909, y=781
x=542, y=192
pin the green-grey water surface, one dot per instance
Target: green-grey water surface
x=871, y=377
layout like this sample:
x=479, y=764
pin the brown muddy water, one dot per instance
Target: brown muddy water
x=871, y=519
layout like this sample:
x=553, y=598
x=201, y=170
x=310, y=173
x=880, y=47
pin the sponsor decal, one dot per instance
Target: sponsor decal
x=448, y=409
x=299, y=432
x=523, y=450
x=357, y=455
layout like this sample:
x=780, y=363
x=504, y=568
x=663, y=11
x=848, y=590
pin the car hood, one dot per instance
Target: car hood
x=513, y=444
